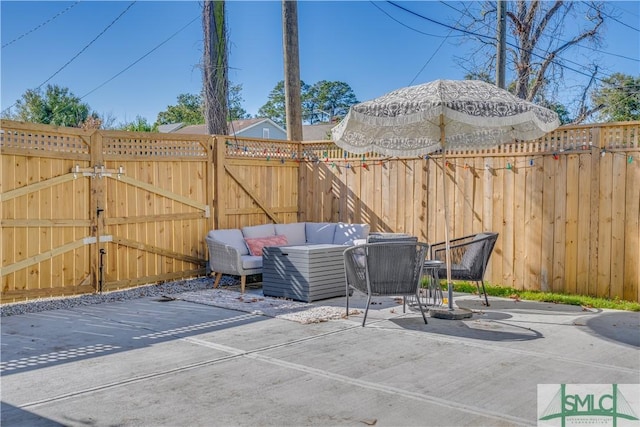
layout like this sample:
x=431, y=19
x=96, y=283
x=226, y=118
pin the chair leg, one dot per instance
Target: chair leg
x=486, y=298
x=366, y=310
x=217, y=281
x=421, y=308
x=243, y=282
x=347, y=300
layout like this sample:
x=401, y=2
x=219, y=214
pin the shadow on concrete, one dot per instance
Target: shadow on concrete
x=44, y=339
x=14, y=416
x=513, y=305
x=621, y=327
x=484, y=328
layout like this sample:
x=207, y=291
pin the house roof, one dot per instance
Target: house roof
x=171, y=127
x=317, y=132
x=235, y=127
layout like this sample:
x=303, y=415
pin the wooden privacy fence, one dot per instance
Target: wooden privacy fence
x=86, y=211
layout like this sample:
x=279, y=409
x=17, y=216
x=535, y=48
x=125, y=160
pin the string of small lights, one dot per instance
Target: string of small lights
x=282, y=155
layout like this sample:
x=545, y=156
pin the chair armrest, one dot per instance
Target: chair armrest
x=223, y=258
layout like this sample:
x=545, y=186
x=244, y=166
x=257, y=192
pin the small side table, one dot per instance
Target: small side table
x=434, y=291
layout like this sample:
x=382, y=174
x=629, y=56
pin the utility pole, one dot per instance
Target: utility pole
x=293, y=101
x=215, y=70
x=501, y=39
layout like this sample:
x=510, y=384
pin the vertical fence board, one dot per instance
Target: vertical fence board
x=534, y=245
x=548, y=224
x=619, y=165
x=631, y=288
x=508, y=235
x=604, y=231
x=584, y=245
x=560, y=220
x=571, y=239
x=493, y=187
x=521, y=221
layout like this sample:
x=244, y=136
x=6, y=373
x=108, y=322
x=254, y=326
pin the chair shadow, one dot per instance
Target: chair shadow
x=484, y=327
x=477, y=305
x=621, y=327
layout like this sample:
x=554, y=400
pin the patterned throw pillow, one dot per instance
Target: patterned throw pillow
x=256, y=244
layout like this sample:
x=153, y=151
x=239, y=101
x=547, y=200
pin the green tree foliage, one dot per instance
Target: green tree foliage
x=322, y=102
x=275, y=109
x=334, y=98
x=235, y=103
x=57, y=106
x=188, y=110
x=140, y=124
x=618, y=98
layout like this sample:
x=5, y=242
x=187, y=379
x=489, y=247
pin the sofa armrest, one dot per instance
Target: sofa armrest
x=224, y=258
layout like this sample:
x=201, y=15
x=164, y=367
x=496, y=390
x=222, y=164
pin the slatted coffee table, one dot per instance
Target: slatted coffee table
x=303, y=272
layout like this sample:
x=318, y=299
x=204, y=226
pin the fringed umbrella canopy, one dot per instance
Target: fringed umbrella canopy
x=441, y=115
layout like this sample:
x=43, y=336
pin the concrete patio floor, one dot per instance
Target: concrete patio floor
x=150, y=363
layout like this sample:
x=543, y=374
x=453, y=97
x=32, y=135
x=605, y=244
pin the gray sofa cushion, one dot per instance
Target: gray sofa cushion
x=264, y=230
x=232, y=237
x=295, y=232
x=345, y=234
x=250, y=262
x=320, y=232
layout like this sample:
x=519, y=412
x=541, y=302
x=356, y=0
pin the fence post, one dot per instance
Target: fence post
x=220, y=220
x=301, y=215
x=211, y=180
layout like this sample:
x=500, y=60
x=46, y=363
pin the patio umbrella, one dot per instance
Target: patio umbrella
x=441, y=115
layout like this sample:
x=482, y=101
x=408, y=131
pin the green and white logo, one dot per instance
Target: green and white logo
x=563, y=405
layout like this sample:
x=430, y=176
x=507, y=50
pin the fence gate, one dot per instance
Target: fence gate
x=90, y=211
x=47, y=233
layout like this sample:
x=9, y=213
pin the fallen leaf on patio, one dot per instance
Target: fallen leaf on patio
x=370, y=422
x=398, y=300
x=393, y=310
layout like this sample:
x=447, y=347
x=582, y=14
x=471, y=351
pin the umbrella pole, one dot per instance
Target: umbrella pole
x=446, y=214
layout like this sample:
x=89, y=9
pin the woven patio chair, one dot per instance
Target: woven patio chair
x=385, y=269
x=469, y=258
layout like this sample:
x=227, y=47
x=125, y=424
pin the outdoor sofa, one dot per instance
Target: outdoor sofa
x=238, y=252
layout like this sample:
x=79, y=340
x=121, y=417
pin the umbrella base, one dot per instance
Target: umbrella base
x=450, y=314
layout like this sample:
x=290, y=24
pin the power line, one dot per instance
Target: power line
x=465, y=12
x=79, y=53
x=41, y=25
x=493, y=39
x=433, y=54
x=141, y=58
x=407, y=26
x=89, y=44
x=611, y=17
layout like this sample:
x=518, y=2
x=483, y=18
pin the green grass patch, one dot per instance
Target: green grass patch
x=581, y=300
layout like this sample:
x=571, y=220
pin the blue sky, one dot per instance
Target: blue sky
x=354, y=42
